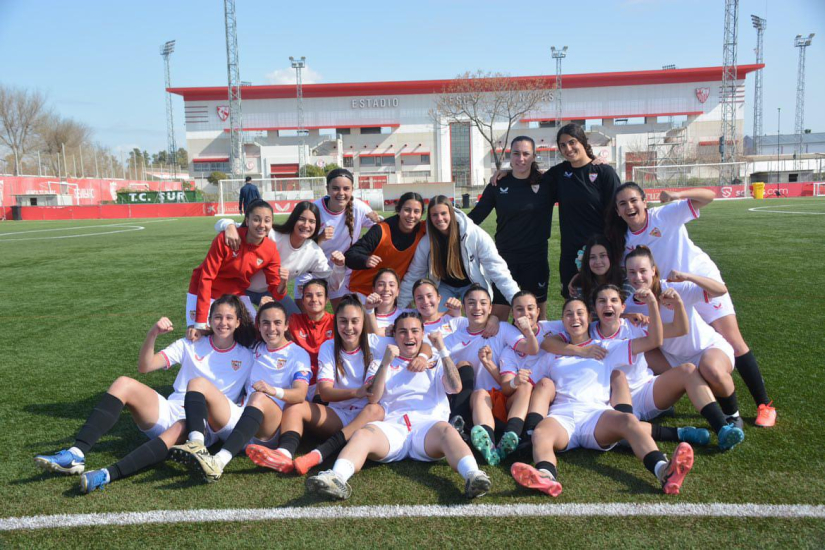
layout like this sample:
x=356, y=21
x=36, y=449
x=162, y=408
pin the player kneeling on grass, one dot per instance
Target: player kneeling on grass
x=650, y=395
x=222, y=358
x=415, y=424
x=279, y=377
x=344, y=363
x=581, y=415
x=493, y=398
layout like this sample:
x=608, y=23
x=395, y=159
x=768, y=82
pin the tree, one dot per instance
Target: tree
x=490, y=101
x=182, y=157
x=58, y=135
x=312, y=171
x=215, y=177
x=21, y=112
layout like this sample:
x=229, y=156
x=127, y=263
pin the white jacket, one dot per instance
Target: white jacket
x=482, y=263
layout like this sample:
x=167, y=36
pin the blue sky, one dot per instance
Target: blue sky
x=99, y=61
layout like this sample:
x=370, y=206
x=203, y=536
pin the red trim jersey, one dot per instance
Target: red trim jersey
x=465, y=345
x=280, y=367
x=310, y=335
x=225, y=271
x=355, y=374
x=638, y=374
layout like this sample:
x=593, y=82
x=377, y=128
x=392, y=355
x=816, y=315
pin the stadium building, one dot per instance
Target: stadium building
x=385, y=131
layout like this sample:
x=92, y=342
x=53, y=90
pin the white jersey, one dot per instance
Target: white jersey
x=355, y=372
x=700, y=336
x=419, y=395
x=511, y=360
x=586, y=381
x=666, y=236
x=384, y=320
x=446, y=324
x=342, y=240
x=638, y=374
x=227, y=369
x=280, y=367
x=464, y=345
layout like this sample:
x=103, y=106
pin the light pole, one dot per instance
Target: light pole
x=778, y=126
x=165, y=51
x=558, y=55
x=298, y=65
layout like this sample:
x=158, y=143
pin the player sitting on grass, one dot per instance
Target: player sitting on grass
x=581, y=415
x=278, y=378
x=222, y=358
x=415, y=424
x=494, y=397
x=342, y=383
x=651, y=395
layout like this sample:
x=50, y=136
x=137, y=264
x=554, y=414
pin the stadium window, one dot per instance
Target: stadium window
x=425, y=159
x=343, y=131
x=386, y=161
x=386, y=130
x=547, y=124
x=348, y=162
x=371, y=130
x=367, y=161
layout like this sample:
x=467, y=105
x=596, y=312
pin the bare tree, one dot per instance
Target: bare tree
x=62, y=136
x=21, y=112
x=489, y=101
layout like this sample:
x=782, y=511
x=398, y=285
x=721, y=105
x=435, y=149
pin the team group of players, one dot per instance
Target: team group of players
x=397, y=372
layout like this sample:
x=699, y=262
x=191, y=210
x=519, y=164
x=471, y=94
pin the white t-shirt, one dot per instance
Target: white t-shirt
x=666, y=236
x=465, y=345
x=638, y=374
x=227, y=369
x=341, y=240
x=355, y=373
x=385, y=320
x=586, y=381
x=700, y=335
x=280, y=367
x=420, y=395
x=511, y=360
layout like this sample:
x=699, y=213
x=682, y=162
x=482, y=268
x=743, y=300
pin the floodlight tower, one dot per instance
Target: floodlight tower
x=165, y=51
x=298, y=65
x=759, y=24
x=799, y=122
x=727, y=143
x=236, y=163
x=558, y=55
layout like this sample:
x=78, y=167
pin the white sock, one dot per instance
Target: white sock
x=467, y=466
x=659, y=469
x=343, y=468
x=319, y=454
x=108, y=476
x=196, y=436
x=76, y=451
x=735, y=415
x=223, y=457
x=284, y=452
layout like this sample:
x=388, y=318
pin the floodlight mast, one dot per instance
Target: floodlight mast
x=759, y=24
x=298, y=65
x=728, y=99
x=558, y=55
x=799, y=121
x=166, y=51
x=233, y=70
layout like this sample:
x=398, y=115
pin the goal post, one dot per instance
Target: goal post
x=731, y=176
x=271, y=189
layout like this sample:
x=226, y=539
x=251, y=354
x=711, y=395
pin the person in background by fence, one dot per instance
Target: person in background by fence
x=248, y=193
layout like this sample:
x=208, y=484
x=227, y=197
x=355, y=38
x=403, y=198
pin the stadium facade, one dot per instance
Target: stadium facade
x=385, y=131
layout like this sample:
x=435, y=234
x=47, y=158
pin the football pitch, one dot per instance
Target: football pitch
x=76, y=301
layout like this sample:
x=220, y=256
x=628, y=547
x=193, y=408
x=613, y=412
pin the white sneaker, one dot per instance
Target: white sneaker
x=328, y=483
x=478, y=484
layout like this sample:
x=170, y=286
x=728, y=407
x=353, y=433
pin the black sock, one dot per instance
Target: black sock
x=663, y=433
x=531, y=422
x=729, y=404
x=652, y=458
x=624, y=408
x=153, y=451
x=194, y=405
x=245, y=429
x=549, y=466
x=714, y=415
x=289, y=441
x=460, y=402
x=515, y=424
x=105, y=414
x=749, y=371
x=335, y=443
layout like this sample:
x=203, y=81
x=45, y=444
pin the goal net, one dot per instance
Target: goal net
x=271, y=190
x=730, y=176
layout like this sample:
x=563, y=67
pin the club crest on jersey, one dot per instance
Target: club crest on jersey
x=329, y=334
x=593, y=177
x=280, y=363
x=702, y=94
x=259, y=261
x=236, y=365
x=503, y=190
x=535, y=188
x=655, y=232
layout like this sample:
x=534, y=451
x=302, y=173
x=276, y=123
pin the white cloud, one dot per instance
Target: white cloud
x=287, y=76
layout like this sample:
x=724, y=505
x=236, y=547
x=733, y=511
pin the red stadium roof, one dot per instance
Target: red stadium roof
x=409, y=87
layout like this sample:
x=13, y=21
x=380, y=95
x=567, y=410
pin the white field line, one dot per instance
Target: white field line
x=766, y=209
x=85, y=227
x=126, y=229
x=716, y=510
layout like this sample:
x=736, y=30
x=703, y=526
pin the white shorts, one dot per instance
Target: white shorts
x=580, y=424
x=169, y=412
x=406, y=438
x=718, y=343
x=211, y=436
x=716, y=308
x=345, y=414
x=192, y=304
x=342, y=290
x=644, y=407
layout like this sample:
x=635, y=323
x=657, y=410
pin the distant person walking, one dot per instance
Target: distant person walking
x=249, y=192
